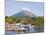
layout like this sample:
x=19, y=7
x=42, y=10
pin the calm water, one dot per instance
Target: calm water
x=33, y=30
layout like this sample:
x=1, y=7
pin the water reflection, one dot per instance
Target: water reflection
x=30, y=30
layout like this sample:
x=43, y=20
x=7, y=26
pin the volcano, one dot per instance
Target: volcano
x=24, y=12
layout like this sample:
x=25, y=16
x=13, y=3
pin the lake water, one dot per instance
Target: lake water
x=33, y=30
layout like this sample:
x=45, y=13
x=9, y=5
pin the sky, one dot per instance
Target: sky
x=12, y=7
x=31, y=0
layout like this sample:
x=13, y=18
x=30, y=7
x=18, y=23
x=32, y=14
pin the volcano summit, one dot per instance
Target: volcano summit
x=24, y=12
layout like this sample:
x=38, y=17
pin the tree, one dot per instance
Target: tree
x=38, y=21
x=10, y=19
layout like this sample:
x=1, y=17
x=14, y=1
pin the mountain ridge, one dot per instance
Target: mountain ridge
x=24, y=12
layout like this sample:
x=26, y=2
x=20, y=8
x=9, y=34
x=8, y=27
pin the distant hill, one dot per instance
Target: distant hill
x=24, y=12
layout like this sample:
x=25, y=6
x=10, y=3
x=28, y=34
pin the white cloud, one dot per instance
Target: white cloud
x=26, y=9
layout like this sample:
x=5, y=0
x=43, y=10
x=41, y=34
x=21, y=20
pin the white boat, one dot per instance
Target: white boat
x=21, y=27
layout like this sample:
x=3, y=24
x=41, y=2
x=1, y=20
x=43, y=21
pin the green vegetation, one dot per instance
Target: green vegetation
x=37, y=21
x=10, y=19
